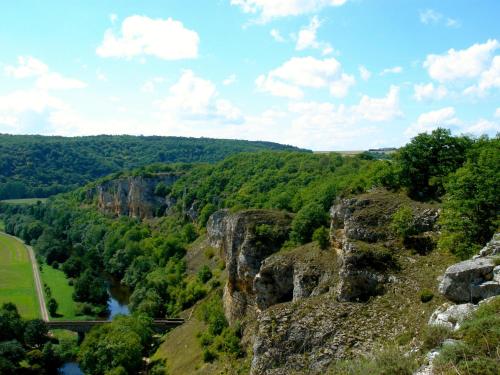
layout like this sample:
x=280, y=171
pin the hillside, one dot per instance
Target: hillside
x=40, y=166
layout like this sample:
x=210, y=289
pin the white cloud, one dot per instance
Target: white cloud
x=277, y=36
x=483, y=126
x=426, y=122
x=283, y=8
x=462, y=64
x=393, y=70
x=497, y=112
x=28, y=67
x=229, y=80
x=101, y=76
x=150, y=85
x=307, y=38
x=379, y=109
x=364, y=73
x=55, y=81
x=430, y=16
x=140, y=35
x=429, y=92
x=305, y=72
x=194, y=99
x=113, y=17
x=488, y=79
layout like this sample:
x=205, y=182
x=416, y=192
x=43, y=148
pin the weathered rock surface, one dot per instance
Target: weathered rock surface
x=291, y=275
x=452, y=316
x=492, y=247
x=132, y=196
x=469, y=281
x=360, y=232
x=245, y=239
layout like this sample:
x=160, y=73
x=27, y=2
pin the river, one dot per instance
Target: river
x=117, y=305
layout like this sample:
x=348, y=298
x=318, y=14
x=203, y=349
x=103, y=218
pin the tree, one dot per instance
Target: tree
x=471, y=212
x=428, y=159
x=90, y=287
x=11, y=324
x=52, y=305
x=322, y=236
x=306, y=221
x=35, y=333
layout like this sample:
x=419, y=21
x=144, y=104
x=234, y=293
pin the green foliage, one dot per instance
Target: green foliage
x=390, y=360
x=91, y=287
x=38, y=166
x=426, y=295
x=204, y=274
x=428, y=159
x=121, y=343
x=402, y=222
x=309, y=218
x=322, y=236
x=35, y=333
x=434, y=335
x=471, y=212
x=52, y=305
x=162, y=190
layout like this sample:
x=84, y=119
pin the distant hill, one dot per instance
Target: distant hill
x=40, y=166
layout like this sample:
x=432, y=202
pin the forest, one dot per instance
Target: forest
x=40, y=166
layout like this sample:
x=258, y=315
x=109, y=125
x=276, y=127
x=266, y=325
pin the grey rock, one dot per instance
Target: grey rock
x=485, y=290
x=492, y=247
x=460, y=281
x=451, y=316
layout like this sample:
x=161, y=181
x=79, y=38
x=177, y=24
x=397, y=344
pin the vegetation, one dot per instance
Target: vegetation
x=16, y=277
x=402, y=223
x=25, y=346
x=60, y=291
x=39, y=166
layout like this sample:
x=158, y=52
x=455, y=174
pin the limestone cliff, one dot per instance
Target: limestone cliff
x=245, y=239
x=133, y=196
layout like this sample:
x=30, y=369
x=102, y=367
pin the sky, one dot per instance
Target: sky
x=318, y=74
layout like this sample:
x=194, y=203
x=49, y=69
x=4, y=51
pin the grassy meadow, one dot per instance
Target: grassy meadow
x=24, y=201
x=61, y=291
x=16, y=277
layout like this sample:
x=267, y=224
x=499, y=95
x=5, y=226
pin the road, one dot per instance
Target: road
x=38, y=284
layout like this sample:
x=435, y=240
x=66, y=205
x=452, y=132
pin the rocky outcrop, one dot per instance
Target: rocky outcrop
x=474, y=279
x=245, y=239
x=451, y=316
x=133, y=196
x=360, y=232
x=295, y=274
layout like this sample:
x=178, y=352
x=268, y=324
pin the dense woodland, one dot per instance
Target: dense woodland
x=40, y=166
x=460, y=173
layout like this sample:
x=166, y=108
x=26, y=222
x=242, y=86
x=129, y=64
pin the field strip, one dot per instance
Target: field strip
x=36, y=276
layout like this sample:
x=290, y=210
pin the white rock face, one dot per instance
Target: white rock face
x=451, y=316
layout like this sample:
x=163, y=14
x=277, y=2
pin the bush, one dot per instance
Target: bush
x=209, y=355
x=426, y=295
x=306, y=221
x=434, y=335
x=402, y=223
x=322, y=236
x=204, y=274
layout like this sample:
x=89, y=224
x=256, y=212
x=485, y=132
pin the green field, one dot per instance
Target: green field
x=61, y=291
x=16, y=277
x=25, y=201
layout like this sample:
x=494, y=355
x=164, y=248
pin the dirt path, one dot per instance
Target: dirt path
x=38, y=284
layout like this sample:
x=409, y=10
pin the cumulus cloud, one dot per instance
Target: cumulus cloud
x=307, y=38
x=268, y=10
x=379, y=109
x=428, y=91
x=30, y=67
x=194, y=99
x=461, y=64
x=364, y=73
x=305, y=72
x=483, y=126
x=426, y=122
x=488, y=79
x=166, y=39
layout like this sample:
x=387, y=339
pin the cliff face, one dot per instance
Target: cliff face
x=133, y=196
x=245, y=239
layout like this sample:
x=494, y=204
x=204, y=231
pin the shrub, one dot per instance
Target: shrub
x=426, y=295
x=322, y=236
x=209, y=252
x=306, y=221
x=434, y=335
x=209, y=355
x=52, y=306
x=204, y=274
x=402, y=223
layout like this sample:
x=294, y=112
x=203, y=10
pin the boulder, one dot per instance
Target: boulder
x=451, y=316
x=492, y=247
x=461, y=281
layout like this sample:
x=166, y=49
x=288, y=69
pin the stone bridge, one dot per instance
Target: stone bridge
x=83, y=326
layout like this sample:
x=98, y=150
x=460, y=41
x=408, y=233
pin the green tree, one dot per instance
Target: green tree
x=90, y=287
x=308, y=218
x=428, y=159
x=322, y=236
x=52, y=306
x=36, y=333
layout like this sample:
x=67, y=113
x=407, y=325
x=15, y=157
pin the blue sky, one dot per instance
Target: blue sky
x=320, y=74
